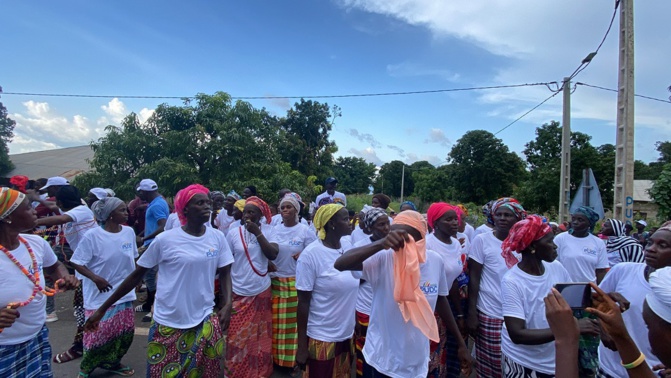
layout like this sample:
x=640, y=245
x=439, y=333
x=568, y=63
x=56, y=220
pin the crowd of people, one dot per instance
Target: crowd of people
x=239, y=287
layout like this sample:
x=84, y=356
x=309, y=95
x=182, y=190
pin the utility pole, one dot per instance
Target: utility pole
x=565, y=183
x=402, y=181
x=624, y=153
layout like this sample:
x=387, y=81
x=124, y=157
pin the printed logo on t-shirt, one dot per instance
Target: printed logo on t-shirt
x=127, y=246
x=32, y=271
x=212, y=252
x=429, y=288
x=295, y=242
x=589, y=251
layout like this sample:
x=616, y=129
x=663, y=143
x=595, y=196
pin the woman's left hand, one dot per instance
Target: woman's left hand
x=465, y=360
x=224, y=315
x=68, y=282
x=253, y=228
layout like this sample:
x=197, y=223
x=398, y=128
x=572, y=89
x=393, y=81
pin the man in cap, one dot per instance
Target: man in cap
x=641, y=235
x=330, y=185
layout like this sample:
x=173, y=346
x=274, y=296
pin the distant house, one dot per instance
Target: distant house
x=66, y=162
x=644, y=207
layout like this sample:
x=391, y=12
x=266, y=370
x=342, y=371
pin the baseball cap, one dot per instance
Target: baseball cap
x=55, y=181
x=148, y=185
x=100, y=193
x=644, y=223
x=330, y=180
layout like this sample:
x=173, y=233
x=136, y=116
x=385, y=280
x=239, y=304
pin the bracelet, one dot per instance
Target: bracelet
x=459, y=316
x=634, y=364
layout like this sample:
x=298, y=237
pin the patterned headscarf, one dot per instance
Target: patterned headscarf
x=521, y=235
x=383, y=199
x=20, y=182
x=233, y=194
x=511, y=204
x=463, y=208
x=371, y=215
x=10, y=199
x=184, y=196
x=217, y=193
x=488, y=213
x=629, y=249
x=409, y=203
x=261, y=205
x=325, y=201
x=323, y=215
x=240, y=205
x=103, y=208
x=437, y=210
x=592, y=216
x=289, y=198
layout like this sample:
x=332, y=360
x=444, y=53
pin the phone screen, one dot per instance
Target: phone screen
x=577, y=295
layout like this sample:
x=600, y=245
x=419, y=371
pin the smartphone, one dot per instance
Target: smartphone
x=577, y=295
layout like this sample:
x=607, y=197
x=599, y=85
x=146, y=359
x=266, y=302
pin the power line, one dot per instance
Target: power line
x=283, y=97
x=529, y=111
x=615, y=90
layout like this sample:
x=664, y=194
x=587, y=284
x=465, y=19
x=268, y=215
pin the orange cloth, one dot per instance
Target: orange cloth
x=410, y=298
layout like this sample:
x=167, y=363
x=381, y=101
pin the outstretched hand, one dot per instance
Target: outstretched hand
x=608, y=312
x=395, y=240
x=560, y=317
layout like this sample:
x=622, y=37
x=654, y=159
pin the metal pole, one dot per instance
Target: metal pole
x=565, y=183
x=402, y=181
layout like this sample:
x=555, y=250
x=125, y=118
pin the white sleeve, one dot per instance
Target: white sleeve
x=513, y=300
x=306, y=273
x=476, y=251
x=225, y=254
x=611, y=279
x=269, y=233
x=443, y=285
x=372, y=267
x=602, y=256
x=152, y=256
x=84, y=252
x=309, y=237
x=48, y=256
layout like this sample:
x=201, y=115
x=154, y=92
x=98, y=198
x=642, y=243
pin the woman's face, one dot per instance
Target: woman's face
x=375, y=202
x=251, y=213
x=659, y=333
x=448, y=223
x=288, y=211
x=607, y=229
x=380, y=227
x=658, y=250
x=546, y=249
x=246, y=193
x=504, y=219
x=228, y=204
x=339, y=223
x=198, y=209
x=217, y=202
x=236, y=213
x=24, y=218
x=405, y=207
x=579, y=223
x=120, y=214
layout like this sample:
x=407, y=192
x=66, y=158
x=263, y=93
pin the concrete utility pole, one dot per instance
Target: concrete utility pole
x=402, y=181
x=565, y=184
x=624, y=154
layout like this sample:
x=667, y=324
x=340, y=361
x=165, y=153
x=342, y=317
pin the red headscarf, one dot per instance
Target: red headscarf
x=20, y=182
x=438, y=209
x=521, y=235
x=184, y=196
x=261, y=205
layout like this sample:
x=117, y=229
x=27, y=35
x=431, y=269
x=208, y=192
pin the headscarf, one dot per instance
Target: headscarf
x=521, y=235
x=463, y=208
x=104, y=207
x=407, y=293
x=322, y=216
x=488, y=213
x=325, y=201
x=666, y=226
x=110, y=192
x=240, y=205
x=261, y=205
x=217, y=193
x=659, y=300
x=10, y=199
x=409, y=203
x=511, y=204
x=339, y=201
x=437, y=210
x=371, y=215
x=592, y=216
x=233, y=194
x=184, y=196
x=383, y=199
x=288, y=198
x=627, y=248
x=100, y=193
x=20, y=182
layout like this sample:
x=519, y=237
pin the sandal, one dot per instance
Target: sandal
x=140, y=308
x=67, y=356
x=123, y=370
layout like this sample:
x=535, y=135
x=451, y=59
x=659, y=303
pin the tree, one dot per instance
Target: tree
x=354, y=174
x=483, y=168
x=6, y=134
x=389, y=179
x=661, y=193
x=432, y=184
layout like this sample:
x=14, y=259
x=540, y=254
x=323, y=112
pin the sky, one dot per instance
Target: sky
x=334, y=47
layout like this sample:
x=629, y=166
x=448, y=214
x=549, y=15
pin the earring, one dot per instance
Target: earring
x=8, y=221
x=533, y=250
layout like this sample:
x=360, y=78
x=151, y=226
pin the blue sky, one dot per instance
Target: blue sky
x=257, y=48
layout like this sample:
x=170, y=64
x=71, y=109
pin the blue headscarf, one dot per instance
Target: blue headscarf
x=591, y=215
x=233, y=194
x=409, y=203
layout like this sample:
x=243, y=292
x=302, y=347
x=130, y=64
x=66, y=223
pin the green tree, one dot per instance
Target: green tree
x=483, y=168
x=431, y=184
x=661, y=193
x=389, y=180
x=6, y=134
x=354, y=174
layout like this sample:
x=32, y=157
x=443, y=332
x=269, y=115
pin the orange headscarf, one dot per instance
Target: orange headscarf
x=10, y=199
x=410, y=298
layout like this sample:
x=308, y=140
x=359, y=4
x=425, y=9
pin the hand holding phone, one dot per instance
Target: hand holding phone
x=577, y=295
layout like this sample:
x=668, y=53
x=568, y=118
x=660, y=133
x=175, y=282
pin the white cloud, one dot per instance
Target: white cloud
x=364, y=137
x=367, y=153
x=397, y=149
x=434, y=160
x=21, y=144
x=437, y=136
x=115, y=109
x=408, y=69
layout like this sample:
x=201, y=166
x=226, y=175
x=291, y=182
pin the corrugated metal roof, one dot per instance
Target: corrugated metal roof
x=65, y=162
x=641, y=190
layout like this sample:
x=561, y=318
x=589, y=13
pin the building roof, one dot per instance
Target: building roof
x=641, y=190
x=66, y=162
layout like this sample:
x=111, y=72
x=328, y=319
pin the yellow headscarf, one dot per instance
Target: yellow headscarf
x=10, y=199
x=240, y=204
x=323, y=215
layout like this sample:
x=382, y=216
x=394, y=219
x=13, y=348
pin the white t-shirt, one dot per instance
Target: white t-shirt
x=333, y=197
x=276, y=219
x=451, y=255
x=523, y=296
x=628, y=280
x=483, y=228
x=331, y=317
x=581, y=256
x=291, y=241
x=394, y=347
x=110, y=256
x=486, y=250
x=234, y=226
x=223, y=221
x=469, y=231
x=187, y=266
x=245, y=281
x=16, y=287
x=364, y=297
x=82, y=221
x=466, y=245
x=173, y=222
x=358, y=235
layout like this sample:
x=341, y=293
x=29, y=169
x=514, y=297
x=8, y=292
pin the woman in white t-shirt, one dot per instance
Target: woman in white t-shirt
x=105, y=257
x=249, y=344
x=487, y=267
x=488, y=226
x=225, y=217
x=26, y=259
x=291, y=238
x=326, y=298
x=186, y=336
x=527, y=341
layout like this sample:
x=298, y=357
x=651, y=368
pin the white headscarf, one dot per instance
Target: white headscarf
x=659, y=300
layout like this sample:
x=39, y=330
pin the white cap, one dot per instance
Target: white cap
x=100, y=193
x=644, y=223
x=110, y=192
x=147, y=185
x=55, y=181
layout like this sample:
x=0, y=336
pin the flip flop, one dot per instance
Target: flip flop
x=67, y=356
x=124, y=371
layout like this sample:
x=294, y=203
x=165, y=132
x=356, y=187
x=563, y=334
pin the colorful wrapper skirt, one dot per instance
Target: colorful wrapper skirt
x=193, y=352
x=104, y=347
x=588, y=348
x=30, y=359
x=438, y=352
x=329, y=359
x=360, y=332
x=285, y=332
x=488, y=347
x=512, y=369
x=248, y=352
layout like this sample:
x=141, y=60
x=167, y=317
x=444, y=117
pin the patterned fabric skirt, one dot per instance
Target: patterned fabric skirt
x=30, y=359
x=360, y=331
x=438, y=352
x=104, y=347
x=488, y=347
x=512, y=369
x=193, y=352
x=285, y=332
x=588, y=348
x=248, y=351
x=329, y=359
